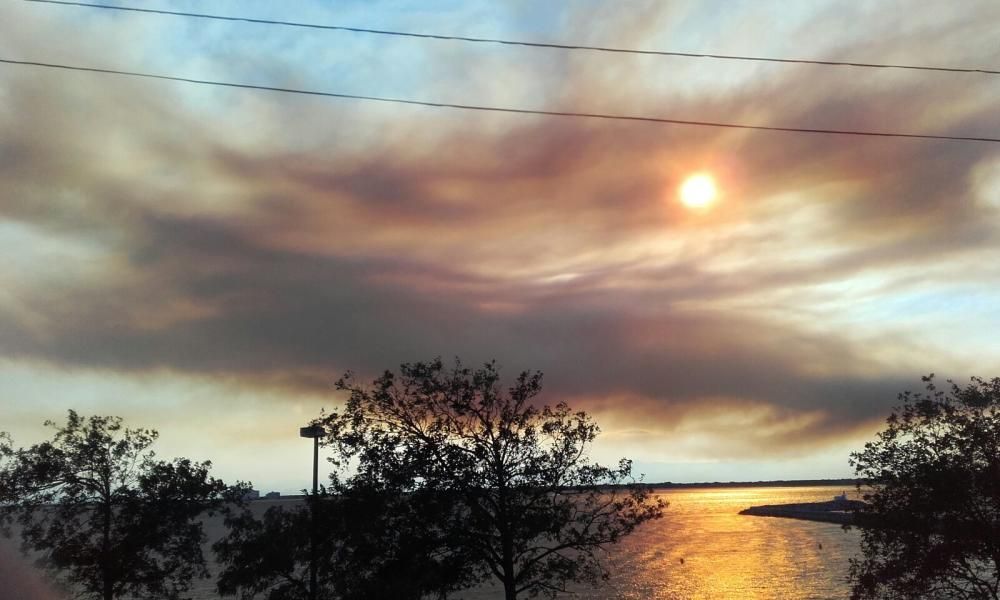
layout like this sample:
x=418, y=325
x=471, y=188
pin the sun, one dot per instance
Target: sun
x=698, y=191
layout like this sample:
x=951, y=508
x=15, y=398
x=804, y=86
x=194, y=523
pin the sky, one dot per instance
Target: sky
x=208, y=261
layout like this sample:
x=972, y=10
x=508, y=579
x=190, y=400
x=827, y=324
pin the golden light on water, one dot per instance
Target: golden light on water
x=704, y=549
x=698, y=191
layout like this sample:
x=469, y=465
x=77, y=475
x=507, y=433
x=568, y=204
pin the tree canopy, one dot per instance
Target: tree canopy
x=369, y=544
x=7, y=493
x=529, y=508
x=105, y=517
x=931, y=526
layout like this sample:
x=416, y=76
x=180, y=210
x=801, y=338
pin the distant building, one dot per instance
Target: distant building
x=272, y=495
x=251, y=495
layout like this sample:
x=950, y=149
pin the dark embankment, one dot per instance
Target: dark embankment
x=838, y=511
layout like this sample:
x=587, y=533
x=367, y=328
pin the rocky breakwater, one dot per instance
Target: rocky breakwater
x=840, y=510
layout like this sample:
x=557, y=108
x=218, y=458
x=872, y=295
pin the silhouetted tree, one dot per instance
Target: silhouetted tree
x=7, y=493
x=106, y=518
x=931, y=527
x=528, y=507
x=370, y=545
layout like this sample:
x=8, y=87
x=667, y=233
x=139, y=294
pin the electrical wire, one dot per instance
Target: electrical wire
x=482, y=40
x=499, y=109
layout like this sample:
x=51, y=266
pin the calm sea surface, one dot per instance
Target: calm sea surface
x=703, y=549
x=726, y=555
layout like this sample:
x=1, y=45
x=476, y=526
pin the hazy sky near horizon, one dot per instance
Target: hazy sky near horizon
x=207, y=261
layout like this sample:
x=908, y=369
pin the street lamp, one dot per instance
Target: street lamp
x=315, y=432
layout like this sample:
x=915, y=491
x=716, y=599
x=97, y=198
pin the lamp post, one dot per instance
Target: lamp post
x=315, y=432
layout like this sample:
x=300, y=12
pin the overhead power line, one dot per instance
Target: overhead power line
x=499, y=109
x=482, y=40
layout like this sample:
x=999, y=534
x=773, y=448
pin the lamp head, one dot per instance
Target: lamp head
x=313, y=431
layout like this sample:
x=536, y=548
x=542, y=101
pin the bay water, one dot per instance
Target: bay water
x=702, y=549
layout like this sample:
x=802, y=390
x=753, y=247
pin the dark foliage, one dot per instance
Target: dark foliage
x=933, y=514
x=526, y=505
x=369, y=545
x=106, y=518
x=7, y=491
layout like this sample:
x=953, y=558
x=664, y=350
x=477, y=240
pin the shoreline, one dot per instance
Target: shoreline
x=838, y=511
x=846, y=483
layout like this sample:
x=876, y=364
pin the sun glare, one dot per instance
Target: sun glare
x=698, y=191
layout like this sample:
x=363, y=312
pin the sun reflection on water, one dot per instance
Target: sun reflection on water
x=703, y=549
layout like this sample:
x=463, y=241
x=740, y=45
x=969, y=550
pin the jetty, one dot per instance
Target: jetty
x=840, y=510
